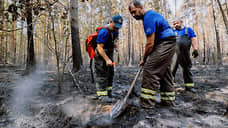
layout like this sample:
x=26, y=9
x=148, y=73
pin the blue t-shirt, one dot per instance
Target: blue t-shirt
x=181, y=32
x=154, y=22
x=103, y=36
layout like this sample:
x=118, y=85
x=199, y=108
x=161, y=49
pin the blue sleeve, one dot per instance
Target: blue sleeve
x=102, y=36
x=191, y=33
x=117, y=32
x=149, y=25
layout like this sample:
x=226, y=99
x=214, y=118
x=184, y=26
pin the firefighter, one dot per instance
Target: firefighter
x=159, y=50
x=185, y=38
x=104, y=69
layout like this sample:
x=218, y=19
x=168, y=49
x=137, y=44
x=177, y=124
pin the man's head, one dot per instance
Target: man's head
x=116, y=22
x=136, y=10
x=177, y=23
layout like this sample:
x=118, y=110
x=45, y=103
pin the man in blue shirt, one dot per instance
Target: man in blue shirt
x=185, y=38
x=159, y=50
x=104, y=58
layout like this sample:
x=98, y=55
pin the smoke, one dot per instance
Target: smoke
x=85, y=111
x=25, y=91
x=78, y=107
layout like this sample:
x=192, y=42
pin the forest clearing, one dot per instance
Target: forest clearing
x=48, y=80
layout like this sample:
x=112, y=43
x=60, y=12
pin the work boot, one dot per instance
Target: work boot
x=110, y=93
x=167, y=103
x=190, y=89
x=106, y=99
x=146, y=104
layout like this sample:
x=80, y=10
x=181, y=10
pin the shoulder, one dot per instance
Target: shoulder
x=189, y=29
x=103, y=32
x=151, y=13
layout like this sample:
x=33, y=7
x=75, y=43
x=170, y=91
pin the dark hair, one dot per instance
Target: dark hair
x=136, y=3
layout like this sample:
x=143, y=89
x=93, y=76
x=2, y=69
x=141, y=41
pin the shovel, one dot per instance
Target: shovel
x=121, y=105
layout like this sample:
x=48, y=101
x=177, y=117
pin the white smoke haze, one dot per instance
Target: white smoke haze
x=23, y=98
x=79, y=108
x=25, y=91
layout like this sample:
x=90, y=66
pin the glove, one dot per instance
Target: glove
x=195, y=53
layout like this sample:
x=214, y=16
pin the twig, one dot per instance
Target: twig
x=74, y=80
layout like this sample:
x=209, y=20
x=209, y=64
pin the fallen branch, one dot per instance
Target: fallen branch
x=74, y=79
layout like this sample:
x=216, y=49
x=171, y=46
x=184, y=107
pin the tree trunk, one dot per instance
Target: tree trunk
x=30, y=48
x=226, y=7
x=1, y=33
x=6, y=40
x=14, y=42
x=165, y=7
x=129, y=42
x=76, y=48
x=219, y=57
x=196, y=22
x=223, y=16
x=21, y=44
x=175, y=4
x=45, y=39
x=132, y=44
x=204, y=48
x=157, y=6
x=140, y=40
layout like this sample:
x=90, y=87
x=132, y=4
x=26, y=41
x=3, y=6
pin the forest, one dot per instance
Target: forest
x=47, y=76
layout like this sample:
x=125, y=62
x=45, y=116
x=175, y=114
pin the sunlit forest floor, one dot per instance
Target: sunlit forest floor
x=31, y=101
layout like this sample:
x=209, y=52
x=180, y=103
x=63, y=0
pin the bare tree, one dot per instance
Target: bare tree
x=1, y=34
x=14, y=36
x=223, y=16
x=219, y=56
x=76, y=48
x=30, y=48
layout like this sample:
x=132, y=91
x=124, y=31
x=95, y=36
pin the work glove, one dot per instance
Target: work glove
x=195, y=53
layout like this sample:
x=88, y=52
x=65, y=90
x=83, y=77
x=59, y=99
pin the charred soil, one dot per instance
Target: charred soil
x=31, y=101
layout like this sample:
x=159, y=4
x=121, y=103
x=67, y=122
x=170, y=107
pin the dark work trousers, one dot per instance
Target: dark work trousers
x=104, y=74
x=157, y=74
x=183, y=59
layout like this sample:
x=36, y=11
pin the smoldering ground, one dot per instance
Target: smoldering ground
x=72, y=109
x=33, y=102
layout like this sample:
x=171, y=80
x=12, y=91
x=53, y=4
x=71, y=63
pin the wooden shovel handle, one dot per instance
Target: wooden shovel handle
x=133, y=83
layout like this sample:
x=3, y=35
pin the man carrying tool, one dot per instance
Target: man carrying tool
x=185, y=37
x=159, y=50
x=104, y=58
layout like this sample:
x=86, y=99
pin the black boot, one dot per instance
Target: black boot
x=110, y=93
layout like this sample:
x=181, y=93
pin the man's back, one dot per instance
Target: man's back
x=155, y=23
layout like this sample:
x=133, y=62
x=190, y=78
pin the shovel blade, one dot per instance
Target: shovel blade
x=118, y=108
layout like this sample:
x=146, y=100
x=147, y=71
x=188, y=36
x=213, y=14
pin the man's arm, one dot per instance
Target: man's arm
x=194, y=43
x=103, y=54
x=195, y=47
x=149, y=46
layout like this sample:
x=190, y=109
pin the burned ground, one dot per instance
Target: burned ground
x=31, y=101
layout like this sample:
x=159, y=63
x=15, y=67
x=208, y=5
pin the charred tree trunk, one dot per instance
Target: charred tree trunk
x=30, y=48
x=204, y=48
x=223, y=16
x=219, y=56
x=76, y=48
